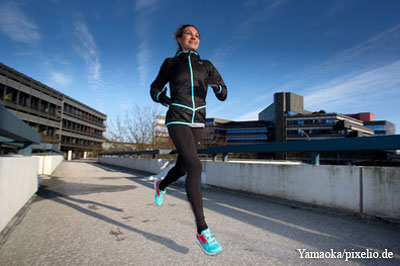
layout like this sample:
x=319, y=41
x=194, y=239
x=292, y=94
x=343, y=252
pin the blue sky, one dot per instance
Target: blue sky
x=342, y=56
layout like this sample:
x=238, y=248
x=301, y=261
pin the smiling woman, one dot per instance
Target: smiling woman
x=188, y=77
x=188, y=38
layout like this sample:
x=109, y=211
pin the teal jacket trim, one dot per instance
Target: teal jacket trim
x=183, y=123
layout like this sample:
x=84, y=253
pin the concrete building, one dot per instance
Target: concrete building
x=292, y=122
x=380, y=127
x=61, y=120
x=225, y=132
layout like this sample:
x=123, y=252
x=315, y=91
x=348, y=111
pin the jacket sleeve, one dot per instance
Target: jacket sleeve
x=216, y=82
x=156, y=88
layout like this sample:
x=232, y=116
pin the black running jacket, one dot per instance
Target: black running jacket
x=188, y=77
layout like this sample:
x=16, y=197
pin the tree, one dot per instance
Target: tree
x=138, y=127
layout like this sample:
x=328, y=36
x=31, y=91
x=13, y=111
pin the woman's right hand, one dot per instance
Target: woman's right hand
x=163, y=98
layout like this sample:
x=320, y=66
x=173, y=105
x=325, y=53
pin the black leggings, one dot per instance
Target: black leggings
x=186, y=140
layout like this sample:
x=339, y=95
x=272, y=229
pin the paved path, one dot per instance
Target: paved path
x=91, y=214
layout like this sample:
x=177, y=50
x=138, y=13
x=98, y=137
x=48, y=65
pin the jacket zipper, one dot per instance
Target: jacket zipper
x=191, y=79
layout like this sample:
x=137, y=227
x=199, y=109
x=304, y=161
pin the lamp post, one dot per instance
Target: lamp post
x=302, y=132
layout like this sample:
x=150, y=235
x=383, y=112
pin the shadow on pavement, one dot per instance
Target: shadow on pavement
x=48, y=190
x=319, y=228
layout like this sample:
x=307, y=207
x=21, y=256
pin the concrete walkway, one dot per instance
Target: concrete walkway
x=91, y=214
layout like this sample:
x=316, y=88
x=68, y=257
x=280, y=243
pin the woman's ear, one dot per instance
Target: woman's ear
x=179, y=40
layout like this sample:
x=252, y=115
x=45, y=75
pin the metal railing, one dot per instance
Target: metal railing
x=315, y=147
x=16, y=133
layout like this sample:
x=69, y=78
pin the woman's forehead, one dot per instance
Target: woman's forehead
x=191, y=28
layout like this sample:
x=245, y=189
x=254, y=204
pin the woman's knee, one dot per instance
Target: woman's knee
x=196, y=166
x=180, y=171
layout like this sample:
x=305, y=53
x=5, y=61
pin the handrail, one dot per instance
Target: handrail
x=16, y=133
x=138, y=153
x=14, y=128
x=391, y=142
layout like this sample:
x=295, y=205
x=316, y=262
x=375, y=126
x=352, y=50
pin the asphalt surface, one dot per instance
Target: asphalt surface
x=92, y=214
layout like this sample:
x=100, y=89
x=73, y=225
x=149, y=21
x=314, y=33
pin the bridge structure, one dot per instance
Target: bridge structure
x=101, y=212
x=87, y=213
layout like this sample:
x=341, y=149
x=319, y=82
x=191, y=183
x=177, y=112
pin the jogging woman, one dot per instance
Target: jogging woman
x=188, y=76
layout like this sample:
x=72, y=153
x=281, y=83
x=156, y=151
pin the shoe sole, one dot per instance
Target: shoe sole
x=208, y=253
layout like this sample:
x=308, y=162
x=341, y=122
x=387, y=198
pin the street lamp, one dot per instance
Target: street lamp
x=302, y=132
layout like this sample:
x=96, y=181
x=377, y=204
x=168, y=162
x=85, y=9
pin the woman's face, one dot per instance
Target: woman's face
x=190, y=39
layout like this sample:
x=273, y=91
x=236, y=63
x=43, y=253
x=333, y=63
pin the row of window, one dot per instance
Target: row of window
x=311, y=132
x=81, y=128
x=82, y=114
x=248, y=138
x=81, y=142
x=42, y=129
x=23, y=99
x=29, y=83
x=311, y=122
x=376, y=127
x=246, y=131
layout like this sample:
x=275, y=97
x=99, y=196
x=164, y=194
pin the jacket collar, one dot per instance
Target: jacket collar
x=187, y=53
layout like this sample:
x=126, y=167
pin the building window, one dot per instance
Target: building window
x=35, y=103
x=328, y=121
x=23, y=99
x=11, y=95
x=52, y=109
x=44, y=107
x=2, y=90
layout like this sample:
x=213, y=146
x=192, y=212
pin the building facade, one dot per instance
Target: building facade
x=292, y=122
x=380, y=127
x=225, y=132
x=61, y=120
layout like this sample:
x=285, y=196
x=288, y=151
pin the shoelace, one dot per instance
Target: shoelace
x=209, y=237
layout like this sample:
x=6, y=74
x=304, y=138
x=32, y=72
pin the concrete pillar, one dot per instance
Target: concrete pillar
x=84, y=155
x=69, y=155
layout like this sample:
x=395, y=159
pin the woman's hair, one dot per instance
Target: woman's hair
x=179, y=32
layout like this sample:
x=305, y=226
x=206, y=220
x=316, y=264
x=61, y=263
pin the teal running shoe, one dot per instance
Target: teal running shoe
x=159, y=195
x=208, y=243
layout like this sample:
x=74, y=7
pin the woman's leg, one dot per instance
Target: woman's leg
x=186, y=140
x=173, y=174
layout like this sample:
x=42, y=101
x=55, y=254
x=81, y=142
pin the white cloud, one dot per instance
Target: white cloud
x=144, y=9
x=360, y=78
x=15, y=24
x=60, y=79
x=87, y=49
x=143, y=4
x=361, y=88
x=253, y=115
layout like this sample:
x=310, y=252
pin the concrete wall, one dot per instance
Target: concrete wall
x=48, y=163
x=152, y=166
x=330, y=186
x=369, y=190
x=18, y=183
x=381, y=191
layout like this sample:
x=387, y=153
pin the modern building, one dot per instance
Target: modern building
x=292, y=122
x=380, y=127
x=61, y=120
x=225, y=132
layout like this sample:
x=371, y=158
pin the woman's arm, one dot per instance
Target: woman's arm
x=216, y=82
x=157, y=91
